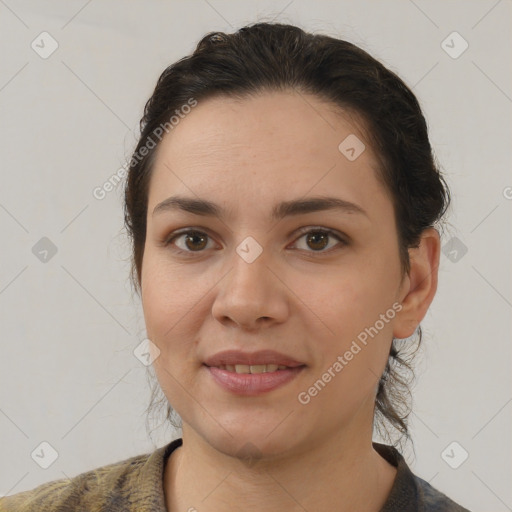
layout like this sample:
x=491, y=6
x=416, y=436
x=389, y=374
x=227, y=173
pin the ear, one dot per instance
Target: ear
x=419, y=287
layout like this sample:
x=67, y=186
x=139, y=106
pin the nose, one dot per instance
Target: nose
x=251, y=295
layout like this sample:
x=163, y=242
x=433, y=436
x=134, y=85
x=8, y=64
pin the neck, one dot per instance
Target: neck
x=348, y=474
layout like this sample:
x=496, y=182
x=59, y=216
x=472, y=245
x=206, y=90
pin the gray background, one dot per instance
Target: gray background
x=69, y=325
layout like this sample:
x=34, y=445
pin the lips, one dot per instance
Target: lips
x=252, y=373
x=257, y=368
x=251, y=362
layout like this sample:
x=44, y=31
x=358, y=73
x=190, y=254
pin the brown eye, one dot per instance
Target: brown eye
x=193, y=241
x=316, y=240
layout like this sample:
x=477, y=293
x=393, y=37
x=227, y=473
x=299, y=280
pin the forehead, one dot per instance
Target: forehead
x=275, y=144
x=282, y=121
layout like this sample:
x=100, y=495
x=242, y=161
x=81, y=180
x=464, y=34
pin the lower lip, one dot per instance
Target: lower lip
x=251, y=384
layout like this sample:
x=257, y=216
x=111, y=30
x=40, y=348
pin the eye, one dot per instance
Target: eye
x=196, y=241
x=317, y=238
x=192, y=240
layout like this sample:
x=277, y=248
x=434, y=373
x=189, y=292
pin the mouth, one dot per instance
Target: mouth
x=253, y=369
x=252, y=380
x=251, y=373
x=251, y=362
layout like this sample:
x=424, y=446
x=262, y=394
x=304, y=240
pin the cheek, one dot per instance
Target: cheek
x=175, y=300
x=351, y=361
x=351, y=299
x=356, y=307
x=166, y=297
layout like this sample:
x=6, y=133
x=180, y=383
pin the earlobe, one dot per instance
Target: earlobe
x=420, y=285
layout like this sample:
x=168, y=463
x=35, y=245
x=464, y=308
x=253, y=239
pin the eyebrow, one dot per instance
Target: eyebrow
x=284, y=209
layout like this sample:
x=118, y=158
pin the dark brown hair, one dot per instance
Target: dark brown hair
x=278, y=57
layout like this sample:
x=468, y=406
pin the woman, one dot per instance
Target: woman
x=281, y=203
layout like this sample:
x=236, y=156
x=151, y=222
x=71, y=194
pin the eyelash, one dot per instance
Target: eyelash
x=303, y=231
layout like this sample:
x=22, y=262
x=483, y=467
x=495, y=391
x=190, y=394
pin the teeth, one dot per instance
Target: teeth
x=255, y=368
x=258, y=368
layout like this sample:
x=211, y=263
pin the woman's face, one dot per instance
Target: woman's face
x=251, y=282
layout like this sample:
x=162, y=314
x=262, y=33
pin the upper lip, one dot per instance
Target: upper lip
x=233, y=357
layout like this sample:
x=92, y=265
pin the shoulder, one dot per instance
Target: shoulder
x=434, y=500
x=410, y=493
x=114, y=487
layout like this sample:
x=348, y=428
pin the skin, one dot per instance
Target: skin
x=307, y=300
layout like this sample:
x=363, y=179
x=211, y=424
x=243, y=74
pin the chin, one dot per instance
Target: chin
x=251, y=444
